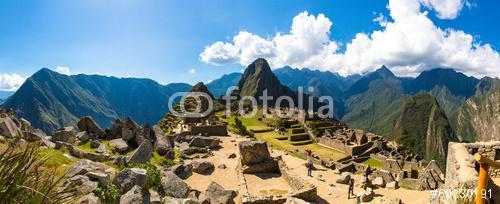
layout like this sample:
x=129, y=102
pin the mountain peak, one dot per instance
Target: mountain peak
x=384, y=72
x=200, y=87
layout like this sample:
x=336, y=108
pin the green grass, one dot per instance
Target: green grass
x=373, y=163
x=55, y=159
x=321, y=151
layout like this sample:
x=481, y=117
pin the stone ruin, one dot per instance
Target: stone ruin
x=206, y=126
x=462, y=168
x=354, y=142
x=255, y=158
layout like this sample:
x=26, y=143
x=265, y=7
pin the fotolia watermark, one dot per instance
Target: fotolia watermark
x=300, y=104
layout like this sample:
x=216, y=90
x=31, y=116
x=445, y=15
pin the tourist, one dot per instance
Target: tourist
x=351, y=188
x=365, y=178
x=309, y=163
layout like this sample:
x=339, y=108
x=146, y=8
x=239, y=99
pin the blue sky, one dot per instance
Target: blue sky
x=163, y=40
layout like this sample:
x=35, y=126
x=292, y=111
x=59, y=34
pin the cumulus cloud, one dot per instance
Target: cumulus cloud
x=446, y=9
x=408, y=42
x=10, y=82
x=62, y=70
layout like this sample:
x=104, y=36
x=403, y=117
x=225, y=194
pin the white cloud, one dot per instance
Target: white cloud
x=192, y=71
x=62, y=70
x=446, y=9
x=10, y=82
x=408, y=43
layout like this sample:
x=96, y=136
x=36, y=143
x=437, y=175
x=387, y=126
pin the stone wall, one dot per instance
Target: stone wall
x=209, y=130
x=348, y=149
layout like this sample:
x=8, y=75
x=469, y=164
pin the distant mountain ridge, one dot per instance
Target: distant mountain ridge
x=220, y=86
x=52, y=100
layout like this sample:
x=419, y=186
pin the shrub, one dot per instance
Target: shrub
x=154, y=177
x=107, y=194
x=25, y=179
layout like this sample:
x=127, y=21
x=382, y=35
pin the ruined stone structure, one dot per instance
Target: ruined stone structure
x=353, y=142
x=255, y=158
x=461, y=168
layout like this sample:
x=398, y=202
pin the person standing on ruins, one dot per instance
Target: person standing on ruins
x=351, y=188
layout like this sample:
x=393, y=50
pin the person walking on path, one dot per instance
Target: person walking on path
x=309, y=163
x=351, y=188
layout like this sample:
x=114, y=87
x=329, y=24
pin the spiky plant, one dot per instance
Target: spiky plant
x=24, y=179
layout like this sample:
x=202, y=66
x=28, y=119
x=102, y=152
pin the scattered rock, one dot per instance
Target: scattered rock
x=136, y=195
x=222, y=166
x=66, y=134
x=89, y=199
x=82, y=136
x=90, y=126
x=142, y=154
x=201, y=141
x=366, y=195
x=34, y=135
x=392, y=185
x=101, y=148
x=83, y=166
x=154, y=197
x=129, y=130
x=253, y=152
x=94, y=143
x=81, y=183
x=163, y=144
x=119, y=145
x=8, y=128
x=116, y=130
x=292, y=200
x=378, y=182
x=343, y=178
x=25, y=125
x=232, y=156
x=130, y=177
x=102, y=178
x=204, y=167
x=391, y=201
x=183, y=171
x=174, y=186
x=215, y=193
x=2, y=139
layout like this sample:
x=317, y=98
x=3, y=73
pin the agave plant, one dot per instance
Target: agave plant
x=24, y=179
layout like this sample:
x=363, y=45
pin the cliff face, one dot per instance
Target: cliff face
x=479, y=118
x=423, y=128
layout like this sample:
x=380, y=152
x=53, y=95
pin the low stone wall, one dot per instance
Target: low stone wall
x=348, y=149
x=209, y=130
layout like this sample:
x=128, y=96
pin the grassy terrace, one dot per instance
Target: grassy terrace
x=276, y=140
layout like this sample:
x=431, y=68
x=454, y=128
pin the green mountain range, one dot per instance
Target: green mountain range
x=51, y=100
x=423, y=128
x=478, y=119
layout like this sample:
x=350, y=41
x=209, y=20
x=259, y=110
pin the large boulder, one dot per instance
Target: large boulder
x=130, y=129
x=144, y=133
x=164, y=145
x=136, y=195
x=130, y=177
x=116, y=130
x=83, y=136
x=103, y=178
x=90, y=126
x=8, y=128
x=142, y=154
x=343, y=178
x=202, y=166
x=34, y=135
x=215, y=193
x=66, y=134
x=25, y=125
x=183, y=171
x=119, y=145
x=154, y=197
x=174, y=186
x=253, y=152
x=201, y=141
